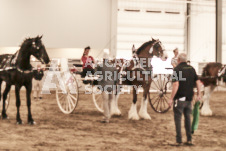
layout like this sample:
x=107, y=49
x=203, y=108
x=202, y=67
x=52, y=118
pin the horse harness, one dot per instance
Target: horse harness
x=9, y=63
x=221, y=74
x=137, y=63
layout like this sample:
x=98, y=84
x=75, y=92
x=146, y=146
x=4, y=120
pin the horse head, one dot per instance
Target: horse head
x=38, y=50
x=152, y=48
x=158, y=50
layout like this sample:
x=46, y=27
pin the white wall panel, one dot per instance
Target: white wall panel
x=224, y=32
x=202, y=34
x=138, y=26
x=64, y=23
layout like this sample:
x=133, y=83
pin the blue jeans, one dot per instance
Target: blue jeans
x=182, y=107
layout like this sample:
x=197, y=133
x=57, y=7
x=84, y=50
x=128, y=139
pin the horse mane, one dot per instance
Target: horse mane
x=143, y=46
x=26, y=40
x=210, y=65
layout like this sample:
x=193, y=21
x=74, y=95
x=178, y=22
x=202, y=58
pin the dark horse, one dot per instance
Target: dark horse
x=17, y=70
x=137, y=72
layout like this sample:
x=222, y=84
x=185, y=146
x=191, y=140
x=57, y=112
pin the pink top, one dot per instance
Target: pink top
x=87, y=62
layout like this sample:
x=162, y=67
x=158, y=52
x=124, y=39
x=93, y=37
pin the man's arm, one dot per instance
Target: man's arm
x=174, y=91
x=198, y=85
x=93, y=61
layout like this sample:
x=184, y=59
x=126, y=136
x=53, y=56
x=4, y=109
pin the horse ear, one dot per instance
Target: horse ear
x=133, y=48
x=36, y=38
x=40, y=37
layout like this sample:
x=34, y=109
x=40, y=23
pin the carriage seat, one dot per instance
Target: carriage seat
x=88, y=79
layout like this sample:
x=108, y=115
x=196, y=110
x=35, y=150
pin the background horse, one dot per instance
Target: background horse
x=17, y=70
x=210, y=75
x=138, y=74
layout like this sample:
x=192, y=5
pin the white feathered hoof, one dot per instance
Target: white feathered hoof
x=144, y=115
x=143, y=110
x=114, y=109
x=116, y=112
x=133, y=116
x=133, y=113
x=205, y=111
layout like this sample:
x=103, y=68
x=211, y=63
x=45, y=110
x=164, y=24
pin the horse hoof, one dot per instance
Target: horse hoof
x=4, y=117
x=19, y=122
x=144, y=116
x=32, y=123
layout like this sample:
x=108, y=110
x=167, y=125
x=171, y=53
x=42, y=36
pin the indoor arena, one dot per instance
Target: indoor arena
x=113, y=75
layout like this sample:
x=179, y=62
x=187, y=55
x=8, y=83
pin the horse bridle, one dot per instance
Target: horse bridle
x=136, y=60
x=152, y=48
x=222, y=72
x=37, y=48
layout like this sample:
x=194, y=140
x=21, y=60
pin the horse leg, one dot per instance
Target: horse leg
x=0, y=91
x=28, y=95
x=114, y=104
x=17, y=91
x=5, y=93
x=206, y=111
x=143, y=108
x=133, y=109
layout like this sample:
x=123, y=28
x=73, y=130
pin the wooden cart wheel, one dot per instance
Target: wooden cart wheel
x=67, y=92
x=160, y=93
x=97, y=98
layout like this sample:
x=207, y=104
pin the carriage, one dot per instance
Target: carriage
x=160, y=90
x=68, y=88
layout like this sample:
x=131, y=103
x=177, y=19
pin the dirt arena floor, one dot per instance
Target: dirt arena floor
x=83, y=131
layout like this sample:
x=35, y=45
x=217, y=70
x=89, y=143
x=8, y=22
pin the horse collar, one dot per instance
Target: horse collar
x=24, y=71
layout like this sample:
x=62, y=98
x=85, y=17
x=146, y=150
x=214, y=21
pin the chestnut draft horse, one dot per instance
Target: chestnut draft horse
x=212, y=72
x=137, y=73
x=17, y=70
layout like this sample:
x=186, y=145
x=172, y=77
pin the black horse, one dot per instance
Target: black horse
x=17, y=70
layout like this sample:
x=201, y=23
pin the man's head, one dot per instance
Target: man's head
x=175, y=51
x=182, y=57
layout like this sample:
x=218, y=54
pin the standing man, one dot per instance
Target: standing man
x=38, y=74
x=184, y=80
x=174, y=62
x=107, y=83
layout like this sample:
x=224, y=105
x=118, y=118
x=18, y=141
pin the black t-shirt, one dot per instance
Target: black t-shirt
x=187, y=77
x=38, y=74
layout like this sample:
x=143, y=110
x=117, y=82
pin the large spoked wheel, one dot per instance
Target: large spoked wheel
x=67, y=92
x=160, y=92
x=97, y=98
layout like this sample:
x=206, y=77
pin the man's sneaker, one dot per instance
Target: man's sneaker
x=176, y=144
x=189, y=143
